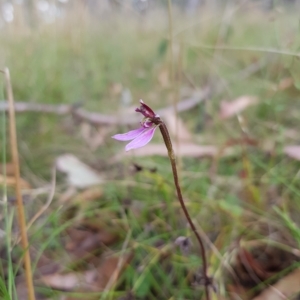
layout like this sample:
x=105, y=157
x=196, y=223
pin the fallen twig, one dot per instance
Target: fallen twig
x=47, y=204
x=98, y=118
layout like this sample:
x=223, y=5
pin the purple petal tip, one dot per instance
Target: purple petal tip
x=142, y=140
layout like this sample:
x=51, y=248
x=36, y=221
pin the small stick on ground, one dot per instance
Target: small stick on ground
x=20, y=207
x=46, y=205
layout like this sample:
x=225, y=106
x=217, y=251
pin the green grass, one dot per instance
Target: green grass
x=56, y=64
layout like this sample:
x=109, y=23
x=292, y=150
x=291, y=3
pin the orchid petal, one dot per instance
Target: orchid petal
x=130, y=135
x=147, y=124
x=142, y=140
x=145, y=110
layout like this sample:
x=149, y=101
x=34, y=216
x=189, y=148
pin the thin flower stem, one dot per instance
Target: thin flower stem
x=166, y=136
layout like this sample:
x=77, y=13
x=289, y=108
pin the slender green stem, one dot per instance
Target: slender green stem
x=166, y=136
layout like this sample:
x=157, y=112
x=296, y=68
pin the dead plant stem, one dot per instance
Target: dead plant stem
x=20, y=207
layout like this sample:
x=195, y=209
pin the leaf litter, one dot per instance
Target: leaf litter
x=286, y=288
x=78, y=173
x=292, y=151
x=258, y=264
x=232, y=108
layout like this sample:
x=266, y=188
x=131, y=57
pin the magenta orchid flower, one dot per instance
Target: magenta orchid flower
x=143, y=135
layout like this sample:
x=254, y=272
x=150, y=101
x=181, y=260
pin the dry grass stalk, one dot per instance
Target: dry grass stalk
x=20, y=207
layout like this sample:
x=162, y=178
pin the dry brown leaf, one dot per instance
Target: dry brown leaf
x=11, y=181
x=111, y=269
x=94, y=280
x=285, y=83
x=83, y=198
x=230, y=109
x=256, y=261
x=90, y=194
x=291, y=133
x=71, y=281
x=91, y=234
x=9, y=169
x=292, y=151
x=85, y=242
x=22, y=291
x=46, y=266
x=78, y=173
x=237, y=292
x=177, y=128
x=285, y=288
